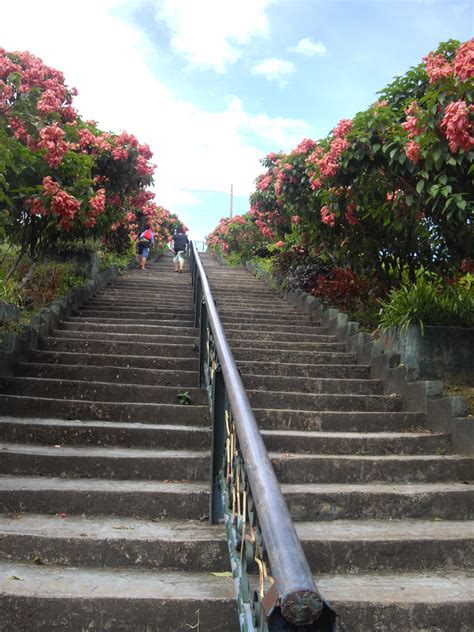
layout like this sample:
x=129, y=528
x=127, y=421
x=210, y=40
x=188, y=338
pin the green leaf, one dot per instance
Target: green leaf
x=409, y=200
x=443, y=179
x=420, y=186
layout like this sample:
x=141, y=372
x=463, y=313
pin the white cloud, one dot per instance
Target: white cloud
x=274, y=69
x=211, y=33
x=194, y=149
x=306, y=46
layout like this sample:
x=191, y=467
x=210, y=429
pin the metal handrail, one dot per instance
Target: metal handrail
x=294, y=589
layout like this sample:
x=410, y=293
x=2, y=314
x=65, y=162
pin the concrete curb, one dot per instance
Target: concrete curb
x=443, y=414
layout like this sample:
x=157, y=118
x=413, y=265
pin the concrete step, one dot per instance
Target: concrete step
x=99, y=391
x=115, y=336
x=114, y=347
x=45, y=408
x=188, y=545
x=170, y=320
x=349, y=469
x=311, y=385
x=287, y=346
x=154, y=500
x=162, y=330
x=104, y=462
x=75, y=599
x=316, y=402
x=133, y=305
x=278, y=337
x=124, y=361
x=370, y=546
x=103, y=433
x=293, y=357
x=343, y=371
x=401, y=601
x=339, y=421
x=142, y=316
x=267, y=312
x=318, y=502
x=255, y=305
x=356, y=443
x=157, y=311
x=229, y=317
x=111, y=374
x=296, y=328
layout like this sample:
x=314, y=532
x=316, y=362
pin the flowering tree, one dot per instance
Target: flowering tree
x=390, y=190
x=61, y=178
x=238, y=235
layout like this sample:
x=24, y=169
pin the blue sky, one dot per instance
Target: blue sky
x=214, y=85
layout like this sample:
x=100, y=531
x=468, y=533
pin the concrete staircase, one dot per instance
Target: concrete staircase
x=383, y=509
x=104, y=474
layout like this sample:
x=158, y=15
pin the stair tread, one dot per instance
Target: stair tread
x=370, y=458
x=382, y=530
x=406, y=489
x=94, y=584
x=118, y=528
x=80, y=423
x=41, y=483
x=348, y=435
x=100, y=451
x=403, y=588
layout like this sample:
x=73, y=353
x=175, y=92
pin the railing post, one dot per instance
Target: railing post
x=203, y=338
x=198, y=301
x=219, y=405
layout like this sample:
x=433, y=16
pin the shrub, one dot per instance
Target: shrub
x=430, y=301
x=304, y=276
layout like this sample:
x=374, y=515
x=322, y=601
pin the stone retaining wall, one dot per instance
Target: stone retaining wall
x=16, y=344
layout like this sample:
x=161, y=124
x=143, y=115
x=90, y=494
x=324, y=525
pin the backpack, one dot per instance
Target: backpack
x=145, y=240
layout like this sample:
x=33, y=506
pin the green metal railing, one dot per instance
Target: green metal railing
x=274, y=585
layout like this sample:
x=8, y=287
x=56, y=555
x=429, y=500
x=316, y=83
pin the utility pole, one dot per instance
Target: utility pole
x=231, y=199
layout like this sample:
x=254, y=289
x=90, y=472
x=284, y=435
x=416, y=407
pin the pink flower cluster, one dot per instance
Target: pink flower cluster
x=36, y=206
x=327, y=164
x=34, y=76
x=350, y=214
x=52, y=140
x=457, y=126
x=437, y=67
x=413, y=127
x=413, y=151
x=327, y=216
x=20, y=132
x=464, y=62
x=64, y=205
x=305, y=146
x=97, y=204
x=263, y=182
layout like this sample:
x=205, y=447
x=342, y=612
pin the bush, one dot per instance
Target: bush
x=430, y=301
x=304, y=276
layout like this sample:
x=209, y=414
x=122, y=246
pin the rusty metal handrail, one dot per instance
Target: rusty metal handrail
x=296, y=592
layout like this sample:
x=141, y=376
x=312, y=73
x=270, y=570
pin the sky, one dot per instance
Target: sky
x=214, y=85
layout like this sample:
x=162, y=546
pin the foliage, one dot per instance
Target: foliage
x=306, y=276
x=238, y=235
x=62, y=179
x=349, y=291
x=384, y=195
x=430, y=301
